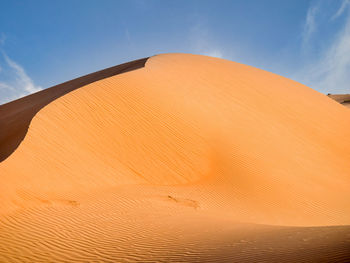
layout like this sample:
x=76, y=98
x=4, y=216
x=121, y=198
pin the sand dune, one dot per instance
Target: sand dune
x=343, y=99
x=15, y=116
x=181, y=158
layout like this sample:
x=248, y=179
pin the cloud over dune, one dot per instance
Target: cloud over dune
x=14, y=81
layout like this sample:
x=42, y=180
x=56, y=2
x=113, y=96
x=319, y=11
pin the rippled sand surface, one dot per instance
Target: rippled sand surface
x=185, y=159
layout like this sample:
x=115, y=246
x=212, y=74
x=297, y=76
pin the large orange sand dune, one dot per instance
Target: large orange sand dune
x=189, y=158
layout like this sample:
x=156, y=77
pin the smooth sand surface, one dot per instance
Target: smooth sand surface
x=189, y=158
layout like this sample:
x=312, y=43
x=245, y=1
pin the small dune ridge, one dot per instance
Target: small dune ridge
x=182, y=158
x=343, y=99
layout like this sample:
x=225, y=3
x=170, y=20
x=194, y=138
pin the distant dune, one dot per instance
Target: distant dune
x=175, y=158
x=343, y=99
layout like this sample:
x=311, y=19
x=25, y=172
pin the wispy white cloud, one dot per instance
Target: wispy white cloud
x=214, y=53
x=7, y=93
x=310, y=25
x=24, y=81
x=202, y=42
x=17, y=83
x=331, y=71
x=127, y=34
x=344, y=5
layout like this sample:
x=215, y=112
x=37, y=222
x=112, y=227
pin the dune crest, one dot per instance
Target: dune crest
x=187, y=138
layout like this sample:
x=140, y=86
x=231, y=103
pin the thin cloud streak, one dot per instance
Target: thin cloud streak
x=18, y=83
x=202, y=42
x=331, y=72
x=214, y=53
x=21, y=76
x=310, y=25
x=345, y=4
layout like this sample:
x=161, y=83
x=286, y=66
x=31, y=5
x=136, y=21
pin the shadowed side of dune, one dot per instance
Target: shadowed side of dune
x=16, y=116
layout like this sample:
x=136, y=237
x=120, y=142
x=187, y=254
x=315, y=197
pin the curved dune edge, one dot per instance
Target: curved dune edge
x=16, y=116
x=136, y=166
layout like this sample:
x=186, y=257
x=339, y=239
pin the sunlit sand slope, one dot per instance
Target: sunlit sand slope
x=189, y=158
x=15, y=116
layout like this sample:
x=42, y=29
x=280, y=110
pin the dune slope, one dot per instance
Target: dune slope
x=16, y=116
x=189, y=158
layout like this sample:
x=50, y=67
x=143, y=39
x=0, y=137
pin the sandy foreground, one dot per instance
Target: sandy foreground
x=181, y=158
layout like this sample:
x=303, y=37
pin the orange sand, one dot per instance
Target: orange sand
x=190, y=158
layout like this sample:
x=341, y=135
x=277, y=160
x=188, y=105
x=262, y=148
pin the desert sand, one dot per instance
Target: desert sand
x=175, y=158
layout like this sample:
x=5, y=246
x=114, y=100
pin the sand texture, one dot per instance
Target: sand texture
x=181, y=158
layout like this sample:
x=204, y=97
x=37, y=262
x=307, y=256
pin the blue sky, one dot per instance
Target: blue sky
x=43, y=43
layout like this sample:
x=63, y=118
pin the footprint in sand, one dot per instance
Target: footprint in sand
x=184, y=201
